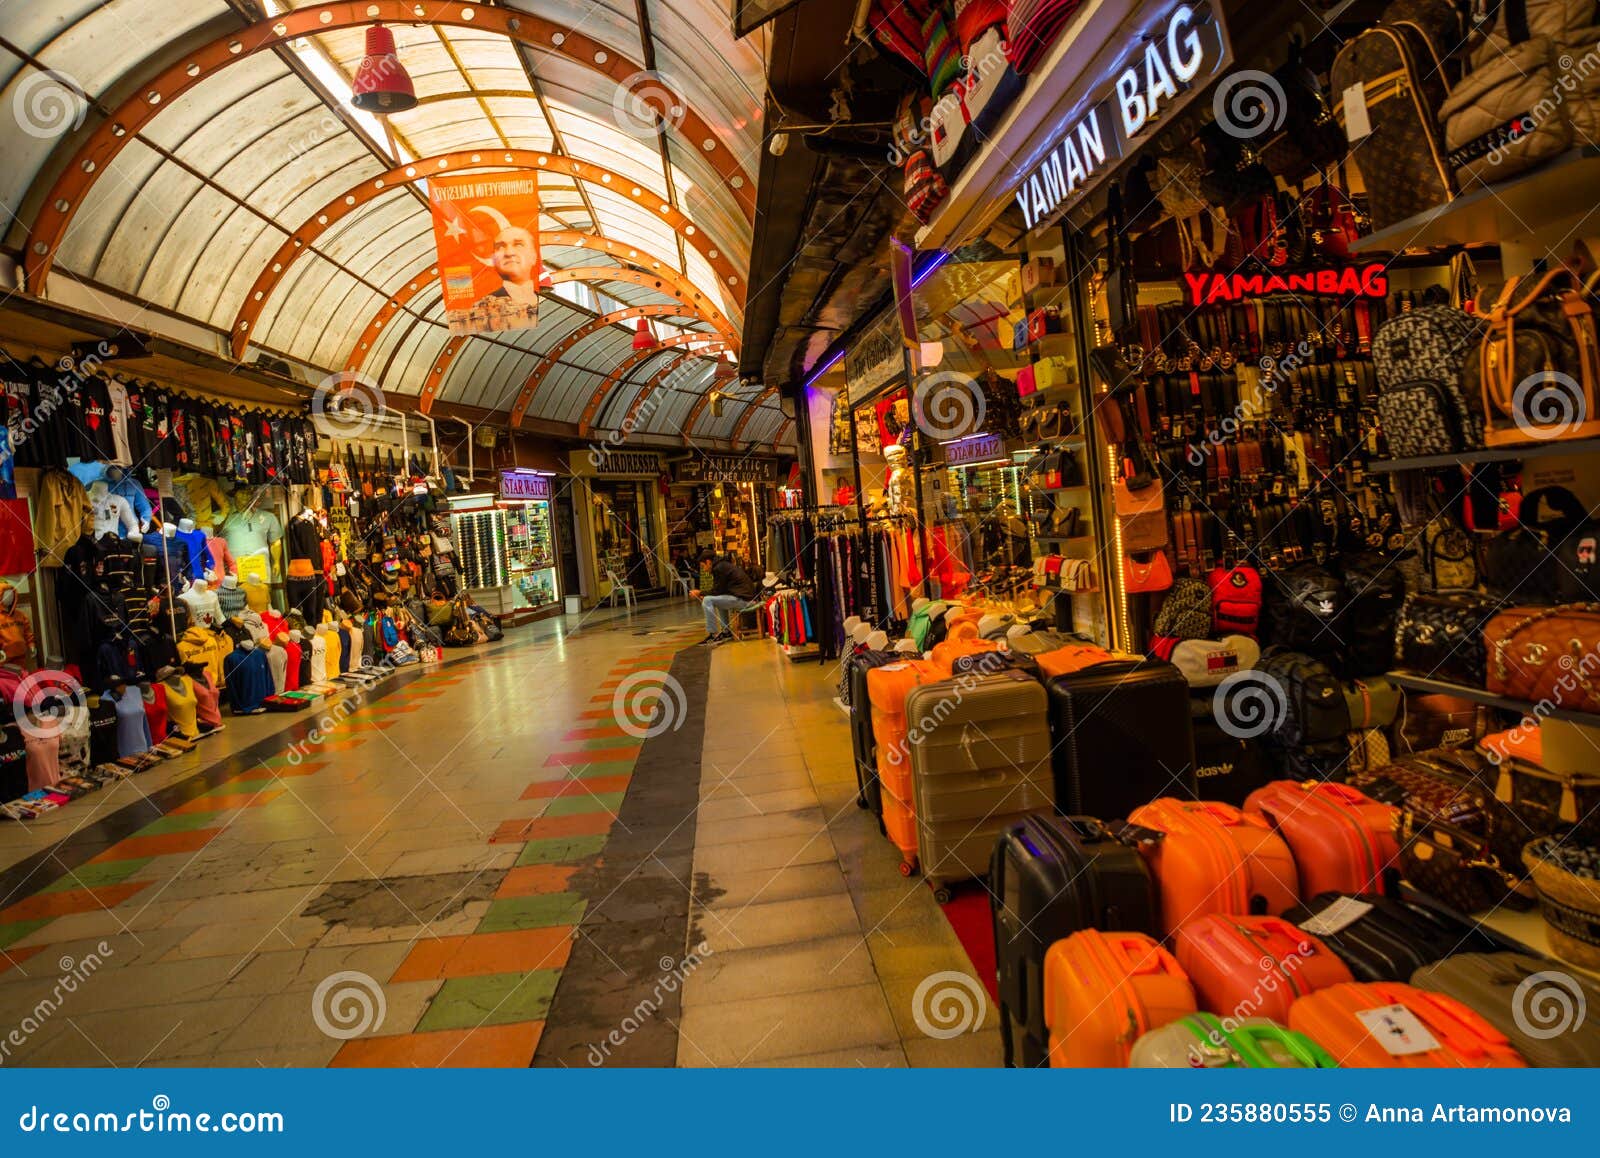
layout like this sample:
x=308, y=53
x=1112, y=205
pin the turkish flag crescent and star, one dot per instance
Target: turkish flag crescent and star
x=487, y=231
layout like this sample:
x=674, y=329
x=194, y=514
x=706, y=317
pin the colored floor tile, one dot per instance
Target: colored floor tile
x=15, y=931
x=47, y=905
x=487, y=1047
x=596, y=755
x=580, y=802
x=609, y=743
x=237, y=787
x=545, y=789
x=228, y=802
x=586, y=824
x=178, y=822
x=13, y=958
x=92, y=876
x=559, y=850
x=534, y=879
x=538, y=912
x=477, y=954
x=161, y=844
x=597, y=733
x=499, y=999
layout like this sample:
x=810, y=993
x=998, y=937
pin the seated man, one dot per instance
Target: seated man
x=731, y=589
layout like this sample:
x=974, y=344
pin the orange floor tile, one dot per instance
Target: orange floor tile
x=597, y=786
x=477, y=954
x=535, y=879
x=11, y=958
x=161, y=844
x=228, y=801
x=596, y=756
x=71, y=901
x=501, y=1046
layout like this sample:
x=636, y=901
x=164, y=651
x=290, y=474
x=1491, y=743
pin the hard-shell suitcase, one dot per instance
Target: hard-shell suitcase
x=1050, y=878
x=1386, y=938
x=1254, y=966
x=1121, y=737
x=1342, y=840
x=1104, y=991
x=1402, y=161
x=1226, y=767
x=868, y=792
x=887, y=689
x=1204, y=1041
x=946, y=653
x=1546, y=1011
x=1387, y=1024
x=980, y=759
x=1208, y=857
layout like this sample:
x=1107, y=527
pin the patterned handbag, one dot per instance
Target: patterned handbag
x=1441, y=634
x=1546, y=654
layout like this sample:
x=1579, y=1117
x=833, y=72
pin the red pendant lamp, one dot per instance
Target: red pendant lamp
x=643, y=337
x=382, y=84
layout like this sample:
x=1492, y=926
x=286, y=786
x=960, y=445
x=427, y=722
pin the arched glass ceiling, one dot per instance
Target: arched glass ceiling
x=196, y=203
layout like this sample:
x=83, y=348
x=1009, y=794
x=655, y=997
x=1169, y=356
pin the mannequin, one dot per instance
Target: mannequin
x=305, y=583
x=304, y=643
x=230, y=596
x=202, y=496
x=277, y=664
x=906, y=647
x=197, y=556
x=290, y=643
x=897, y=491
x=254, y=624
x=43, y=743
x=16, y=633
x=249, y=679
x=75, y=741
x=112, y=513
x=350, y=640
x=878, y=641
x=133, y=726
x=251, y=532
x=208, y=706
x=850, y=625
x=317, y=650
x=182, y=705
x=860, y=634
x=205, y=609
x=330, y=636
x=276, y=624
x=154, y=696
x=222, y=561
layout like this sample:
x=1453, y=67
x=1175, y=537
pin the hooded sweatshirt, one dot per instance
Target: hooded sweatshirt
x=16, y=633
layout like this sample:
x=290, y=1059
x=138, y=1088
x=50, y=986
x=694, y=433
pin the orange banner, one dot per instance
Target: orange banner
x=487, y=230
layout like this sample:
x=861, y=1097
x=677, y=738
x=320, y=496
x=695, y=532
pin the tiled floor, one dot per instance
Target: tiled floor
x=485, y=857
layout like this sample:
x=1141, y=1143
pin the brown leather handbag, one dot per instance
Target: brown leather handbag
x=1538, y=370
x=1549, y=654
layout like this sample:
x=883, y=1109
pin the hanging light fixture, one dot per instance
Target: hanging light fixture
x=382, y=84
x=644, y=337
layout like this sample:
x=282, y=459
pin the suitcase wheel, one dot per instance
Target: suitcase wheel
x=942, y=894
x=861, y=799
x=908, y=867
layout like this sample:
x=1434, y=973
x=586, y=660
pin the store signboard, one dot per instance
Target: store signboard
x=725, y=468
x=977, y=448
x=1211, y=287
x=1158, y=74
x=629, y=462
x=876, y=359
x=524, y=486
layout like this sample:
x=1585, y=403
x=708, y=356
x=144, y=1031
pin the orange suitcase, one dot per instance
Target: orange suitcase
x=887, y=689
x=1245, y=967
x=1103, y=991
x=945, y=654
x=1212, y=858
x=1385, y=1024
x=1343, y=841
x=1075, y=657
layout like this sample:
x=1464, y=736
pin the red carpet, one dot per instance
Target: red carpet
x=969, y=916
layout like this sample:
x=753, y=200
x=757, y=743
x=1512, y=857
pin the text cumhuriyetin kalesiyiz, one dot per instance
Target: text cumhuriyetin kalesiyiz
x=1467, y=1114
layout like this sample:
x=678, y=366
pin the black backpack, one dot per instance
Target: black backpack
x=1314, y=709
x=1524, y=564
x=1374, y=590
x=1304, y=609
x=1420, y=357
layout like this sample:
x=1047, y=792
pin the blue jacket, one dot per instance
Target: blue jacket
x=126, y=486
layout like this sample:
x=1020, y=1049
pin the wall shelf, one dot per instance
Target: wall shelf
x=1428, y=684
x=1497, y=454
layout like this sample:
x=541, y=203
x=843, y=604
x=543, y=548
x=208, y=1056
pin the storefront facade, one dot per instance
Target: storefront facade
x=621, y=517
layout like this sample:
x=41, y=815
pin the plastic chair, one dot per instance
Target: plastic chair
x=618, y=587
x=676, y=581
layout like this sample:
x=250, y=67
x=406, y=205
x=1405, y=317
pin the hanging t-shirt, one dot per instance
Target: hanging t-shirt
x=92, y=406
x=120, y=418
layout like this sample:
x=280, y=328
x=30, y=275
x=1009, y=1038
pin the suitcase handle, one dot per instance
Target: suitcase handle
x=1138, y=955
x=1342, y=793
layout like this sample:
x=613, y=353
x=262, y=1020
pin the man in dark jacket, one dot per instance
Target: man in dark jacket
x=731, y=589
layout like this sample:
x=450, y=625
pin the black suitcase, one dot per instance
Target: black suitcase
x=1227, y=768
x=1050, y=878
x=868, y=792
x=1395, y=937
x=1122, y=737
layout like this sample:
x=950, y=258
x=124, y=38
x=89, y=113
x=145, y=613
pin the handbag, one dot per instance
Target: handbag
x=1145, y=578
x=1523, y=563
x=1441, y=634
x=1546, y=655
x=1538, y=369
x=1451, y=562
x=1186, y=611
x=1142, y=515
x=1433, y=720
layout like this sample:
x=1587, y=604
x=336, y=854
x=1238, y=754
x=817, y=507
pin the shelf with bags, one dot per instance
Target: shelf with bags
x=1430, y=685
x=1549, y=449
x=1563, y=187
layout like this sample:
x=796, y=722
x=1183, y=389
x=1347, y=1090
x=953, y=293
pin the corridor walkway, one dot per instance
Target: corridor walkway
x=514, y=858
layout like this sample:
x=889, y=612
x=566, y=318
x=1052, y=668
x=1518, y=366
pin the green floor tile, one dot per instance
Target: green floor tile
x=16, y=930
x=498, y=999
x=179, y=822
x=538, y=912
x=585, y=802
x=561, y=849
x=613, y=742
x=93, y=876
x=243, y=787
x=610, y=768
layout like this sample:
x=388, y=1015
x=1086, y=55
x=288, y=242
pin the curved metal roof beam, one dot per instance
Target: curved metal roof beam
x=750, y=411
x=95, y=155
x=620, y=374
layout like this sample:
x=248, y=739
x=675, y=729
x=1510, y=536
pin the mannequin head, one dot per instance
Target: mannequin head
x=295, y=637
x=168, y=674
x=231, y=582
x=199, y=587
x=186, y=525
x=8, y=596
x=247, y=645
x=169, y=529
x=135, y=538
x=195, y=671
x=99, y=489
x=281, y=638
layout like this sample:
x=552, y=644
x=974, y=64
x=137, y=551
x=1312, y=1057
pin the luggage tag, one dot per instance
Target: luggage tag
x=1336, y=917
x=1398, y=1030
x=1357, y=119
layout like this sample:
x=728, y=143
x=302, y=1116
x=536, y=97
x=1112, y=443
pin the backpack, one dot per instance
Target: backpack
x=1374, y=588
x=1314, y=710
x=1235, y=600
x=1306, y=602
x=1186, y=611
x=1423, y=402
